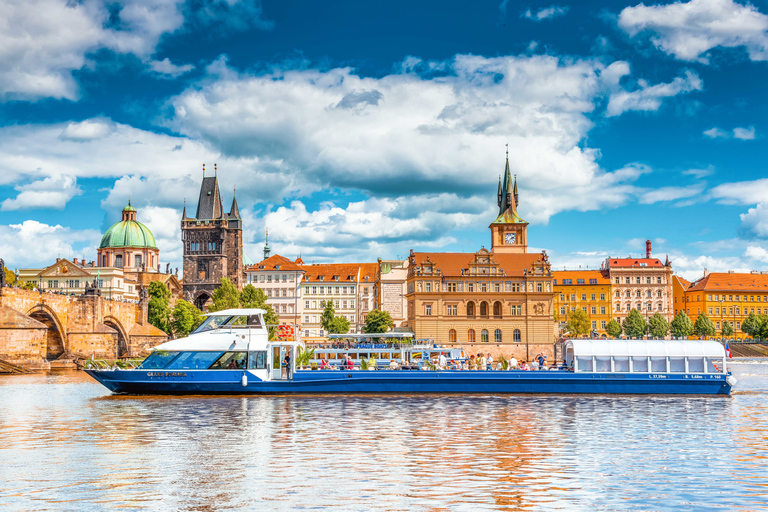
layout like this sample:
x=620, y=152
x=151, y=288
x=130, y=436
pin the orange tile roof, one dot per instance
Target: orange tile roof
x=272, y=262
x=685, y=284
x=601, y=277
x=634, y=262
x=724, y=281
x=346, y=272
x=451, y=263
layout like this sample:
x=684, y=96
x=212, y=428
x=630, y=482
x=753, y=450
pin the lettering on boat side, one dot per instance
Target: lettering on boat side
x=166, y=374
x=657, y=376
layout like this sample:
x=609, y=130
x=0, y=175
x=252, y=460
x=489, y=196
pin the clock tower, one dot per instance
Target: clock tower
x=509, y=232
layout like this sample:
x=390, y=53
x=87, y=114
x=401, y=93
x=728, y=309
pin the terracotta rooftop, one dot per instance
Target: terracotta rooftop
x=343, y=272
x=451, y=263
x=724, y=281
x=574, y=275
x=273, y=262
x=683, y=282
x=635, y=262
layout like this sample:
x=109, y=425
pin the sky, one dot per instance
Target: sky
x=361, y=130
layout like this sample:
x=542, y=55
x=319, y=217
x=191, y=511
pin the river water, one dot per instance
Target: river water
x=66, y=443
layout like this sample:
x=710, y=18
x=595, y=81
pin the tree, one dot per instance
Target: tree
x=226, y=296
x=763, y=332
x=185, y=317
x=704, y=326
x=255, y=298
x=681, y=326
x=158, y=310
x=29, y=285
x=634, y=325
x=613, y=329
x=378, y=321
x=328, y=314
x=10, y=277
x=339, y=325
x=658, y=326
x=751, y=325
x=578, y=323
x=727, y=328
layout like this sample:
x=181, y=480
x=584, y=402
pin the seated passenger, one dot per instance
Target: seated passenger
x=324, y=365
x=512, y=363
x=232, y=365
x=524, y=366
x=393, y=365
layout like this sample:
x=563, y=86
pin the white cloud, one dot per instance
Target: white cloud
x=757, y=253
x=670, y=194
x=689, y=30
x=649, y=97
x=165, y=225
x=741, y=192
x=33, y=244
x=52, y=192
x=166, y=67
x=545, y=13
x=737, y=133
x=87, y=130
x=716, y=133
x=754, y=223
x=699, y=173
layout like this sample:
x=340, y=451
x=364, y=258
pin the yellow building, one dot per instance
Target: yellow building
x=679, y=287
x=727, y=296
x=589, y=290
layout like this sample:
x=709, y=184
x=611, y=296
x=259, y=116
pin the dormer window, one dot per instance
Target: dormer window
x=277, y=267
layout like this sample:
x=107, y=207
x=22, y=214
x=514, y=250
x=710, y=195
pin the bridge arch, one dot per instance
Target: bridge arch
x=122, y=337
x=56, y=337
x=202, y=299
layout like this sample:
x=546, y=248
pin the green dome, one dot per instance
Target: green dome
x=128, y=233
x=129, y=208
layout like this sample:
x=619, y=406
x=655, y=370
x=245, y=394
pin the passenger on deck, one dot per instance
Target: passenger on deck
x=324, y=365
x=350, y=363
x=482, y=363
x=489, y=361
x=232, y=365
x=393, y=365
x=524, y=366
x=442, y=361
x=372, y=363
x=472, y=363
x=534, y=365
x=465, y=366
x=542, y=360
x=512, y=363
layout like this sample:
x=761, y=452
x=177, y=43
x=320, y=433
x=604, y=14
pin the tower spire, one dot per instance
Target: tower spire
x=266, y=245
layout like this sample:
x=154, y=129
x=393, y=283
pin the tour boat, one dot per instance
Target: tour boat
x=230, y=353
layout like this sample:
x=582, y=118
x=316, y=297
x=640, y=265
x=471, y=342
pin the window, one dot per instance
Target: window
x=602, y=324
x=573, y=296
x=344, y=304
x=618, y=294
x=337, y=303
x=617, y=281
x=314, y=304
x=638, y=294
x=322, y=290
x=306, y=304
x=579, y=281
x=470, y=287
x=583, y=296
x=637, y=280
x=594, y=324
x=539, y=287
x=471, y=335
x=562, y=310
x=230, y=361
x=628, y=294
x=496, y=287
x=592, y=296
x=710, y=311
x=471, y=309
x=314, y=290
x=567, y=281
x=562, y=297
x=602, y=310
x=428, y=287
x=517, y=310
x=593, y=281
x=594, y=310
x=158, y=359
x=516, y=336
x=627, y=280
x=453, y=310
x=428, y=309
x=452, y=336
x=194, y=360
x=658, y=280
x=119, y=260
x=451, y=287
x=484, y=336
x=483, y=287
x=497, y=335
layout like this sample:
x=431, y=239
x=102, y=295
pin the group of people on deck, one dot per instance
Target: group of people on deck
x=484, y=362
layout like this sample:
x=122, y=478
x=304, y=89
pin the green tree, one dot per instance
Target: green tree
x=378, y=321
x=578, y=323
x=339, y=325
x=658, y=326
x=751, y=326
x=10, y=277
x=634, y=325
x=226, y=296
x=681, y=325
x=255, y=298
x=727, y=328
x=29, y=285
x=763, y=332
x=185, y=317
x=613, y=328
x=159, y=312
x=704, y=326
x=328, y=315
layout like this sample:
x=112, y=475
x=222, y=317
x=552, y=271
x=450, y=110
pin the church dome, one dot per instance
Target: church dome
x=128, y=232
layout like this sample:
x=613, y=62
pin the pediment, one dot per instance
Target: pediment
x=64, y=269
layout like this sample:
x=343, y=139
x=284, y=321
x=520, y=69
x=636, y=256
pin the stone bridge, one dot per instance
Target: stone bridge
x=37, y=328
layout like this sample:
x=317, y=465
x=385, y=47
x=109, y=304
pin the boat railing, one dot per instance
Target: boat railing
x=103, y=364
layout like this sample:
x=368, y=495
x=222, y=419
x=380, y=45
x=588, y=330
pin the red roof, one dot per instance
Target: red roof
x=575, y=275
x=635, y=262
x=346, y=272
x=273, y=262
x=724, y=281
x=451, y=263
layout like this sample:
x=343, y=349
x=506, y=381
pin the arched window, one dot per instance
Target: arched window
x=497, y=335
x=471, y=336
x=484, y=336
x=103, y=260
x=471, y=309
x=497, y=309
x=452, y=336
x=119, y=260
x=516, y=336
x=484, y=309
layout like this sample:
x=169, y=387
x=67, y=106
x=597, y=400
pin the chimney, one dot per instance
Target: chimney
x=74, y=260
x=648, y=249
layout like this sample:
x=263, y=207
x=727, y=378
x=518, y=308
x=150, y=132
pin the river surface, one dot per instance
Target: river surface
x=66, y=443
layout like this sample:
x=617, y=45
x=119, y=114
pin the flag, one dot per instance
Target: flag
x=728, y=350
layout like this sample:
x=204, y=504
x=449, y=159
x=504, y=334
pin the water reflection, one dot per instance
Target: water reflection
x=68, y=444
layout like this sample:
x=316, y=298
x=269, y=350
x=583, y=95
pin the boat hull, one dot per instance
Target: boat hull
x=193, y=382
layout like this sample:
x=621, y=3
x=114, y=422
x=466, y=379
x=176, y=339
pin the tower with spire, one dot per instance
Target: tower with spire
x=509, y=232
x=266, y=246
x=213, y=244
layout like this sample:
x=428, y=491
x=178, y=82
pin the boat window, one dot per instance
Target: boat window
x=602, y=364
x=257, y=360
x=658, y=364
x=713, y=365
x=211, y=323
x=158, y=359
x=677, y=365
x=585, y=364
x=254, y=321
x=194, y=360
x=640, y=364
x=621, y=364
x=695, y=365
x=229, y=361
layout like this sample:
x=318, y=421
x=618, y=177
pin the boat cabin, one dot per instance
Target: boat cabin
x=645, y=356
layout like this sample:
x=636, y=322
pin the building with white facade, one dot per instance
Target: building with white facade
x=280, y=278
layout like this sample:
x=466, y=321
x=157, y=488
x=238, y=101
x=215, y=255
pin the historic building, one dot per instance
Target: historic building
x=727, y=296
x=71, y=277
x=213, y=245
x=391, y=287
x=280, y=278
x=589, y=290
x=502, y=296
x=644, y=284
x=351, y=287
x=129, y=245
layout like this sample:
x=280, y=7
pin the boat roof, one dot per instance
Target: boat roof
x=372, y=335
x=660, y=348
x=237, y=312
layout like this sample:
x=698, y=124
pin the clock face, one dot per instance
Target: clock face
x=510, y=238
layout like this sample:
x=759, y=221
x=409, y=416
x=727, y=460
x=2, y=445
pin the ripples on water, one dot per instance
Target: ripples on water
x=66, y=444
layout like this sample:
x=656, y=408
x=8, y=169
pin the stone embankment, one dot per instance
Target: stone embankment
x=749, y=350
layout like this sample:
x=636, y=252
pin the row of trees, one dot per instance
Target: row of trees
x=636, y=326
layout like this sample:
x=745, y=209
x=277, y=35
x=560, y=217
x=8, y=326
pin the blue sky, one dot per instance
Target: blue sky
x=358, y=130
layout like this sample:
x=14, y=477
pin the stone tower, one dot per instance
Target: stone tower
x=213, y=244
x=509, y=232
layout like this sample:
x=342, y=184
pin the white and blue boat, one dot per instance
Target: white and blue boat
x=230, y=353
